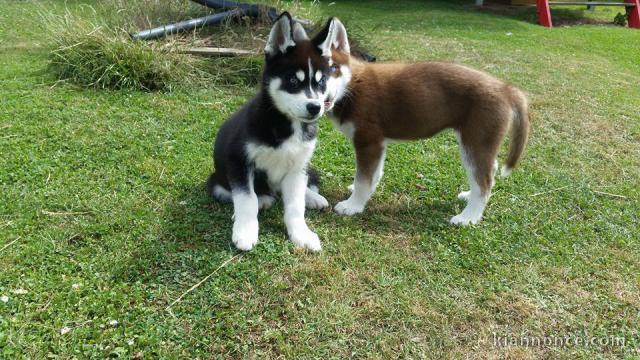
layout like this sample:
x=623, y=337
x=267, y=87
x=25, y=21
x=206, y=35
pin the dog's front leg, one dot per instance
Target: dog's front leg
x=245, y=213
x=369, y=169
x=294, y=187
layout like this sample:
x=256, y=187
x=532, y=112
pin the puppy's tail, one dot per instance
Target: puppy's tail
x=519, y=130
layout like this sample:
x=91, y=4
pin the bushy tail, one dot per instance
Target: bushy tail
x=519, y=130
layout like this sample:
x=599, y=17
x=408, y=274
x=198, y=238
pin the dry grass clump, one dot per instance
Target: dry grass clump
x=98, y=56
x=92, y=47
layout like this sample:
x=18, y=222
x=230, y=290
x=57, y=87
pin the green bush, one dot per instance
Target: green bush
x=620, y=19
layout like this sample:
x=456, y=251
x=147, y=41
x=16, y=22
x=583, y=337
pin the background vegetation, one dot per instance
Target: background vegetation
x=92, y=45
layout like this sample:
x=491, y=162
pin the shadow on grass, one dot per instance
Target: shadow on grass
x=195, y=221
x=522, y=13
x=403, y=214
x=454, y=14
x=192, y=232
x=529, y=13
x=193, y=236
x=462, y=14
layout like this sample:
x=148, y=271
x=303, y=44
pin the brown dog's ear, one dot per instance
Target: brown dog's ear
x=298, y=32
x=281, y=36
x=332, y=36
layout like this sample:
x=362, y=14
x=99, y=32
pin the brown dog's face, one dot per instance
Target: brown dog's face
x=339, y=77
x=333, y=43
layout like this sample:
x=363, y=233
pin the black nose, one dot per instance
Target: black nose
x=313, y=109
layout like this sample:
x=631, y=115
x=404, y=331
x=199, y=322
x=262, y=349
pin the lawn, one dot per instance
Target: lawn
x=105, y=222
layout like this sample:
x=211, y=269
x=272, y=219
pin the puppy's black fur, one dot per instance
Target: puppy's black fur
x=259, y=121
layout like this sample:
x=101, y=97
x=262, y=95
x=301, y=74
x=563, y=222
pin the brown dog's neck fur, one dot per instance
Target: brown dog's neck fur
x=343, y=106
x=357, y=67
x=367, y=79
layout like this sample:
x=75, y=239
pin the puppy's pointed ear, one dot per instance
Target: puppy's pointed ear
x=333, y=35
x=298, y=32
x=281, y=36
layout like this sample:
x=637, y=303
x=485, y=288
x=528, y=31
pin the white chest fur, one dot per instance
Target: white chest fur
x=347, y=127
x=291, y=156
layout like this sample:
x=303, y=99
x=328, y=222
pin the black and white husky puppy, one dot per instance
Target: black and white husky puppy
x=265, y=147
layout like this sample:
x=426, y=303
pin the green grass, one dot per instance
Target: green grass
x=104, y=215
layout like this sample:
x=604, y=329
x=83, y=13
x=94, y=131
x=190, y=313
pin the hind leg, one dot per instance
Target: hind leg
x=220, y=193
x=464, y=195
x=265, y=201
x=223, y=195
x=312, y=197
x=479, y=160
x=266, y=195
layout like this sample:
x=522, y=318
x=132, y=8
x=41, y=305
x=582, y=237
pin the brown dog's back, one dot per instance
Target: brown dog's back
x=418, y=100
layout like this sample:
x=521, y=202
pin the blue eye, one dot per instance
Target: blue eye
x=333, y=69
x=322, y=81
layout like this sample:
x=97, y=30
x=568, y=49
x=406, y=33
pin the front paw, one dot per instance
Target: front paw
x=245, y=236
x=265, y=202
x=464, y=220
x=464, y=195
x=348, y=207
x=306, y=238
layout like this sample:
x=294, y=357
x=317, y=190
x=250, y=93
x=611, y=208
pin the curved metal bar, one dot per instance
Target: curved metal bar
x=253, y=10
x=186, y=25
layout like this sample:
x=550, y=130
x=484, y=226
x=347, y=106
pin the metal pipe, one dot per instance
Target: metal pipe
x=253, y=10
x=186, y=25
x=234, y=9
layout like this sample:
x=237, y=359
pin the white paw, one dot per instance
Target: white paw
x=221, y=194
x=348, y=207
x=265, y=201
x=350, y=188
x=463, y=220
x=505, y=171
x=314, y=200
x=245, y=236
x=306, y=238
x=464, y=195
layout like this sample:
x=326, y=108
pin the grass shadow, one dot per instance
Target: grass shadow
x=192, y=234
x=561, y=16
x=522, y=13
x=195, y=222
x=467, y=11
x=403, y=214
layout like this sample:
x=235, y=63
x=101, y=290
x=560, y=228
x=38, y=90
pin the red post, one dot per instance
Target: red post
x=634, y=16
x=544, y=14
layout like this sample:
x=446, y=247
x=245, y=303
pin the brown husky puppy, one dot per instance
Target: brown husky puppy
x=374, y=104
